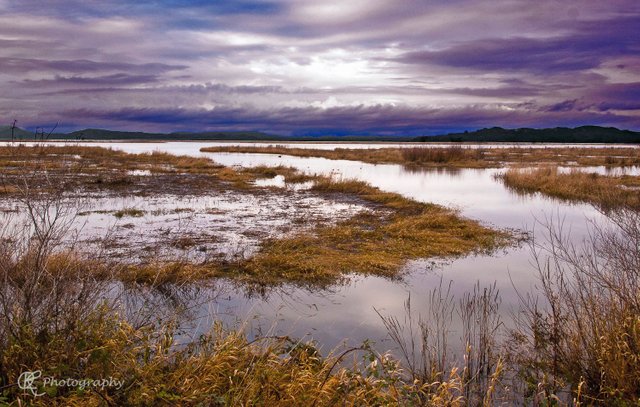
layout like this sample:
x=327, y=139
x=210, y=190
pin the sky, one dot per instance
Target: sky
x=301, y=67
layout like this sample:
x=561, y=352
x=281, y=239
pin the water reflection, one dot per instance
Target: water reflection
x=412, y=169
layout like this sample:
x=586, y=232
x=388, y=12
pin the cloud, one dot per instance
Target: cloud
x=106, y=80
x=588, y=47
x=293, y=66
x=22, y=65
x=379, y=119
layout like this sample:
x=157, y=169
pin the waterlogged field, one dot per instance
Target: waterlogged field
x=346, y=255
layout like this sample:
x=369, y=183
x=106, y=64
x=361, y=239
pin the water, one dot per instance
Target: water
x=348, y=312
x=187, y=146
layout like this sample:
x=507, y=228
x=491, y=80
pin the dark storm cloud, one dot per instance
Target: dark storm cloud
x=357, y=119
x=566, y=106
x=22, y=65
x=106, y=80
x=624, y=96
x=588, y=47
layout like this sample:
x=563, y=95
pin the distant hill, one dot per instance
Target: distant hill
x=5, y=133
x=584, y=134
x=100, y=134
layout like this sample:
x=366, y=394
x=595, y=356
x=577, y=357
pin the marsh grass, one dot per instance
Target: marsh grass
x=457, y=156
x=130, y=212
x=378, y=242
x=582, y=339
x=8, y=189
x=602, y=190
x=418, y=155
x=475, y=372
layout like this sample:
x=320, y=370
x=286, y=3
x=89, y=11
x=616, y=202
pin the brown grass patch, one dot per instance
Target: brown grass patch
x=376, y=243
x=604, y=191
x=418, y=155
x=458, y=156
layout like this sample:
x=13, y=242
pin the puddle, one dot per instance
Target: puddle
x=280, y=182
x=139, y=173
x=199, y=228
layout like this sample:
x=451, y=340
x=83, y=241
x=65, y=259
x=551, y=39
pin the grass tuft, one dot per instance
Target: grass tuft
x=605, y=191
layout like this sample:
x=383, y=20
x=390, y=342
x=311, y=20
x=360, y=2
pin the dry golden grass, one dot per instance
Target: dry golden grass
x=377, y=243
x=423, y=156
x=585, y=334
x=58, y=321
x=97, y=159
x=99, y=167
x=8, y=189
x=605, y=191
x=223, y=368
x=458, y=156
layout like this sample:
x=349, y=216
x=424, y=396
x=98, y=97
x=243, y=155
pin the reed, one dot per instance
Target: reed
x=458, y=156
x=604, y=191
x=584, y=336
x=442, y=155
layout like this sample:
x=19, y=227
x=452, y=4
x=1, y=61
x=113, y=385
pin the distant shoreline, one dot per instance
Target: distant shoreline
x=557, y=135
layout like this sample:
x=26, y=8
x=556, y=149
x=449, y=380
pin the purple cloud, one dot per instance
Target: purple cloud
x=294, y=67
x=354, y=120
x=587, y=48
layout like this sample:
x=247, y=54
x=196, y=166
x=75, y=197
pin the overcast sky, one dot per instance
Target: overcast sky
x=320, y=67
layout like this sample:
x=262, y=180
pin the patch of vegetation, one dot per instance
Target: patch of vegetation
x=377, y=242
x=602, y=190
x=8, y=189
x=585, y=336
x=457, y=156
x=222, y=368
x=132, y=212
x=442, y=155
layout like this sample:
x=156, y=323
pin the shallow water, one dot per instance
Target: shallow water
x=348, y=312
x=177, y=145
x=200, y=228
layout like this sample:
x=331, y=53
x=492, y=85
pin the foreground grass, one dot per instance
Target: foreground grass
x=457, y=156
x=56, y=320
x=602, y=190
x=557, y=358
x=221, y=368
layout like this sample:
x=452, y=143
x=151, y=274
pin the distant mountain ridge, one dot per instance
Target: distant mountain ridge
x=583, y=134
x=101, y=134
x=5, y=133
